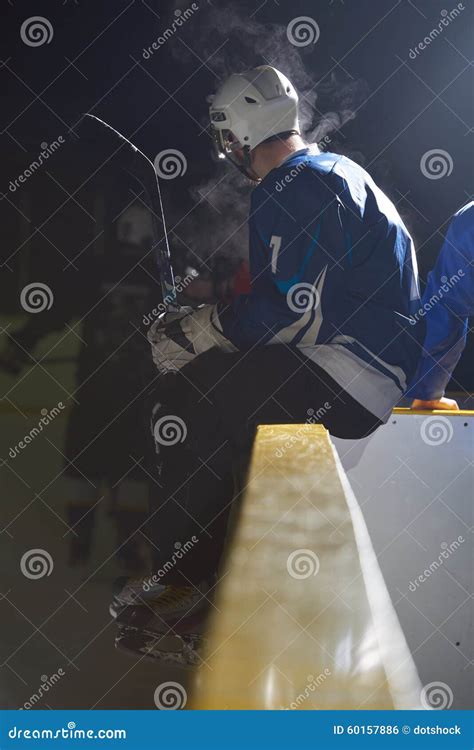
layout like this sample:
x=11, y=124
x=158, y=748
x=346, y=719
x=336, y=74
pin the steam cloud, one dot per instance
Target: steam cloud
x=243, y=42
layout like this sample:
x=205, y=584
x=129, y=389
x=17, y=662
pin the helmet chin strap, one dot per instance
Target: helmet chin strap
x=245, y=167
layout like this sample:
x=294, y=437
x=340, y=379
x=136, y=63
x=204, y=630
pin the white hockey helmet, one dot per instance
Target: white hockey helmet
x=251, y=107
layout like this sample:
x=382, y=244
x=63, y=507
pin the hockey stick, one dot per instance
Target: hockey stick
x=139, y=166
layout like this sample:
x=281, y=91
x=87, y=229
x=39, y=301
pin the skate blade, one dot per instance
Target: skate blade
x=170, y=649
x=143, y=618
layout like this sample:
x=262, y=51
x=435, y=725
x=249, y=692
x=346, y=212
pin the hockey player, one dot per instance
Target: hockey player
x=447, y=303
x=325, y=329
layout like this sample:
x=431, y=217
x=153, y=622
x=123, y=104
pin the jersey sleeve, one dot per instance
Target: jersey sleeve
x=447, y=302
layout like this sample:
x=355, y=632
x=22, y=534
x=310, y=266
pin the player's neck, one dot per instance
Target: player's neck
x=268, y=156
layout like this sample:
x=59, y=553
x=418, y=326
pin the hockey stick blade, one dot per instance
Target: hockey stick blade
x=113, y=145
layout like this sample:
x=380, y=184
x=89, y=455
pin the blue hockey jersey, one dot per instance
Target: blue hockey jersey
x=447, y=303
x=333, y=273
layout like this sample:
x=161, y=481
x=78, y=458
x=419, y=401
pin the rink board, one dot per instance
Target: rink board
x=414, y=481
x=303, y=618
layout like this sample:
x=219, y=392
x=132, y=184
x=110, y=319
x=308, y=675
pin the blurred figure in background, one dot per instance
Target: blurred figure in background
x=106, y=444
x=104, y=440
x=447, y=303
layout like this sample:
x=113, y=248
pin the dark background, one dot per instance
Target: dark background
x=386, y=110
x=66, y=227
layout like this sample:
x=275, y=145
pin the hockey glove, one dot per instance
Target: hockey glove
x=177, y=338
